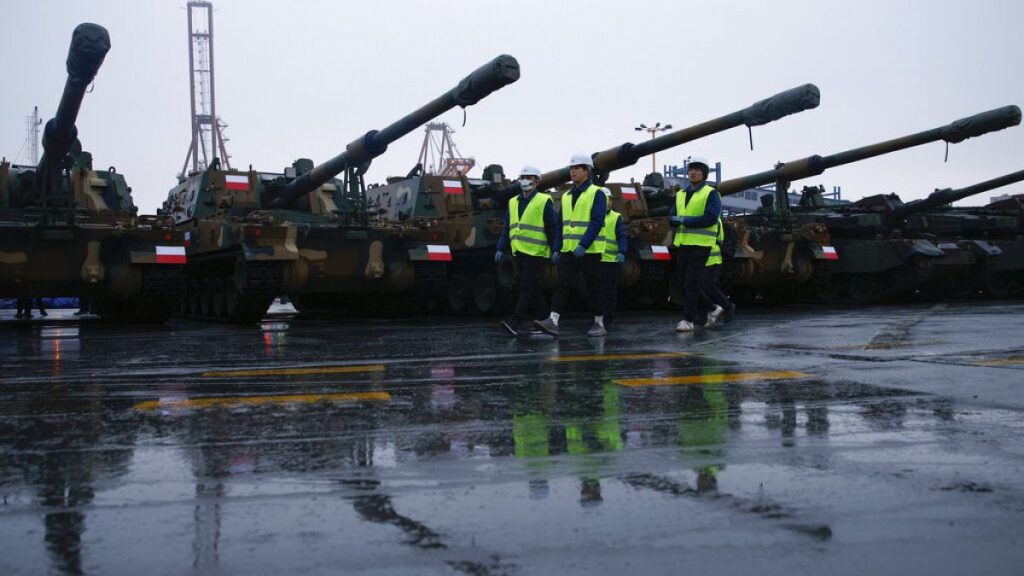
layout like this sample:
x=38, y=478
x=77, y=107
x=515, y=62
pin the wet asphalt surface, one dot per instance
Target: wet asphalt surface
x=808, y=440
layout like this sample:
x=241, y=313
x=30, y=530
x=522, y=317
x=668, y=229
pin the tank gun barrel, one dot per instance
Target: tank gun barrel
x=485, y=80
x=89, y=46
x=762, y=112
x=955, y=132
x=949, y=195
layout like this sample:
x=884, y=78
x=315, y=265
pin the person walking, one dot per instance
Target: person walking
x=616, y=243
x=723, y=309
x=581, y=221
x=694, y=218
x=530, y=235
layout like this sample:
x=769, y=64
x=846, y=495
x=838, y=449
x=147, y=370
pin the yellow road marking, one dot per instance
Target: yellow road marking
x=597, y=357
x=1003, y=362
x=235, y=401
x=712, y=378
x=295, y=371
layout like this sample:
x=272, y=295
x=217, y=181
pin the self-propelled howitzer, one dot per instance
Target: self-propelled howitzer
x=69, y=230
x=783, y=247
x=254, y=235
x=982, y=250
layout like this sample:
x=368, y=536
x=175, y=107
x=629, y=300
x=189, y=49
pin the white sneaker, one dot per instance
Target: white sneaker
x=684, y=326
x=714, y=316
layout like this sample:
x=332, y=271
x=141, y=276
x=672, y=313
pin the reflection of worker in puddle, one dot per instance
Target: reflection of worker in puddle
x=591, y=431
x=703, y=429
x=531, y=429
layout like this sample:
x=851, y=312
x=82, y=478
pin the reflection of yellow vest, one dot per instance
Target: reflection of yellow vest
x=694, y=209
x=715, y=257
x=527, y=235
x=530, y=432
x=611, y=241
x=575, y=220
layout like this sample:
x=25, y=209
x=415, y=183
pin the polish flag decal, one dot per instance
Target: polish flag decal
x=660, y=252
x=827, y=253
x=236, y=182
x=453, y=187
x=629, y=194
x=438, y=253
x=188, y=239
x=170, y=254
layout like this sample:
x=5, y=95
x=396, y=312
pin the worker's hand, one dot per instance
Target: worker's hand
x=621, y=258
x=579, y=251
x=675, y=220
x=554, y=258
x=498, y=256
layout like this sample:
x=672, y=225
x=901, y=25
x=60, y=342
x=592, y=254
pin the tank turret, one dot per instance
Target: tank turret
x=486, y=79
x=941, y=197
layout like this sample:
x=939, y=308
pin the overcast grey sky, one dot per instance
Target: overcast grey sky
x=302, y=78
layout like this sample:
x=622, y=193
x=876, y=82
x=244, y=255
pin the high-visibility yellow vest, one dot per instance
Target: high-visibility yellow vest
x=527, y=235
x=575, y=220
x=611, y=241
x=715, y=257
x=695, y=209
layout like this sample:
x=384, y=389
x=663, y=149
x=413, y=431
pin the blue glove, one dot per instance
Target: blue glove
x=554, y=258
x=498, y=256
x=675, y=220
x=621, y=258
x=579, y=251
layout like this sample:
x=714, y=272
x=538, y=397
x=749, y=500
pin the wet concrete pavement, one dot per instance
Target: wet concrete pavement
x=806, y=440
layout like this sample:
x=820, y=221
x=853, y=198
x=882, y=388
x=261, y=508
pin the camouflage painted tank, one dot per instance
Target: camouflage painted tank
x=981, y=246
x=781, y=250
x=254, y=235
x=471, y=211
x=67, y=229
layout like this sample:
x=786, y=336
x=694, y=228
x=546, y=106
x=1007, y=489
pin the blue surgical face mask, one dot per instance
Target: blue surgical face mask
x=525, y=184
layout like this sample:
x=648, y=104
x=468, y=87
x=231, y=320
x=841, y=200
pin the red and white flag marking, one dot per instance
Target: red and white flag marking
x=453, y=187
x=629, y=193
x=829, y=253
x=438, y=253
x=170, y=254
x=236, y=182
x=660, y=252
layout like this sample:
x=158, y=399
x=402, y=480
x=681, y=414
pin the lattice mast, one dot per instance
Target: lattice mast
x=207, y=129
x=439, y=155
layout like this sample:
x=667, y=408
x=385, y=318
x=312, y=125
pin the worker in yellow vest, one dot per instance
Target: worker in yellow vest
x=723, y=309
x=694, y=218
x=581, y=221
x=612, y=259
x=531, y=235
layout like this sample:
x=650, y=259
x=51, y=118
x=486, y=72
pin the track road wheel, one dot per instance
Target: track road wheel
x=485, y=293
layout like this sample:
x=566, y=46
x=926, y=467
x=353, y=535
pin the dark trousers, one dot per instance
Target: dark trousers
x=529, y=298
x=568, y=268
x=610, y=283
x=690, y=264
x=709, y=286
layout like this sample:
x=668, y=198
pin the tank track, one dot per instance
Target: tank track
x=240, y=294
x=154, y=304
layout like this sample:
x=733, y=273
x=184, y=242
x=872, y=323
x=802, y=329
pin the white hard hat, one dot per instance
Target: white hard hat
x=529, y=170
x=581, y=159
x=700, y=160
